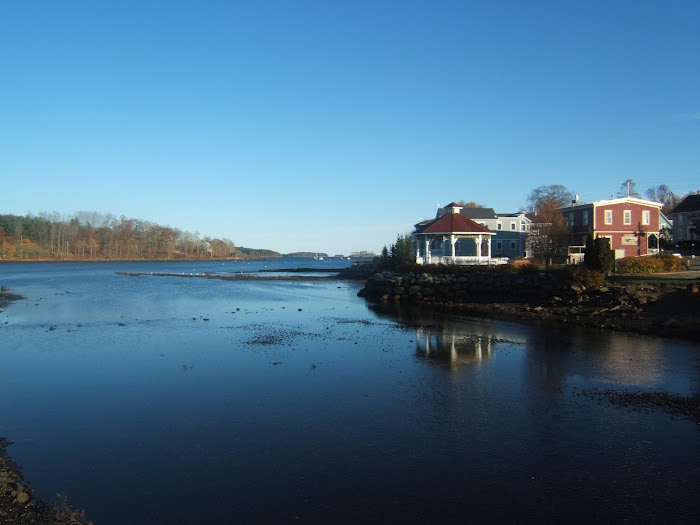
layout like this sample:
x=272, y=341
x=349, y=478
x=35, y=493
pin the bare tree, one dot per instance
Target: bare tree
x=544, y=198
x=629, y=189
x=470, y=204
x=665, y=196
x=548, y=235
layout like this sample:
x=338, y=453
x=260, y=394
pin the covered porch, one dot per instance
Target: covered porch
x=453, y=239
x=456, y=248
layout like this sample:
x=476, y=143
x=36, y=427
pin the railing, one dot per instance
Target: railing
x=438, y=259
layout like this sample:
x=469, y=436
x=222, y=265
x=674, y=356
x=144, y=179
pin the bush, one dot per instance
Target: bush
x=598, y=255
x=582, y=276
x=519, y=269
x=663, y=262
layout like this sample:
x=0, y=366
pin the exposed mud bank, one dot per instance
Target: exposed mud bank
x=237, y=277
x=7, y=297
x=673, y=404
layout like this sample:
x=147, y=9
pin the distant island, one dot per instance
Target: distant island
x=306, y=254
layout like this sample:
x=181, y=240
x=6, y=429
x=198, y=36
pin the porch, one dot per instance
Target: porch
x=461, y=260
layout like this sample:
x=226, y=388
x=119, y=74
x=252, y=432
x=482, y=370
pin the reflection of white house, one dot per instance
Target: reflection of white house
x=453, y=239
x=451, y=346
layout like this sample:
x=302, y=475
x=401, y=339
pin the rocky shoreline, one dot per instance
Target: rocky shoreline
x=19, y=506
x=667, y=309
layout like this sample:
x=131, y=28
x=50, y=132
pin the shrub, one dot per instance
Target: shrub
x=598, y=255
x=581, y=276
x=663, y=262
x=519, y=269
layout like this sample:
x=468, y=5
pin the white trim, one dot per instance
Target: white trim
x=610, y=202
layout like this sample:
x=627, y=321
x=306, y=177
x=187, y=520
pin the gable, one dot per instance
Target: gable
x=455, y=223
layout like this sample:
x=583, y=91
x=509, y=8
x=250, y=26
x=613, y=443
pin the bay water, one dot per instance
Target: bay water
x=151, y=399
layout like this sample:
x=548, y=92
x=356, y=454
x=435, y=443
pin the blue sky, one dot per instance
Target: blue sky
x=333, y=126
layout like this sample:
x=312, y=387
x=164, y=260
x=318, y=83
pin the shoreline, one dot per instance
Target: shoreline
x=20, y=506
x=660, y=305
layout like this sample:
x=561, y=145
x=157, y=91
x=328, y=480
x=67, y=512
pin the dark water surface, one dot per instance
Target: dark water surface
x=169, y=400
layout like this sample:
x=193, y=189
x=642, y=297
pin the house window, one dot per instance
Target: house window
x=499, y=226
x=512, y=226
x=512, y=245
x=645, y=217
x=522, y=225
x=628, y=216
x=585, y=217
x=608, y=216
x=499, y=245
x=571, y=219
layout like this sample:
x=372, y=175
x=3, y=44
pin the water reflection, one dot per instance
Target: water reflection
x=452, y=340
x=293, y=396
x=450, y=345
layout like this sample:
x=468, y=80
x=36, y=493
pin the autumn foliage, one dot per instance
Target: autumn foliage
x=654, y=264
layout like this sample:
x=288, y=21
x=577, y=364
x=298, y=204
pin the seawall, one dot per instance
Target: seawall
x=666, y=310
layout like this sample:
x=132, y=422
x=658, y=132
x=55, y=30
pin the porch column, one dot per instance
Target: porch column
x=488, y=246
x=426, y=260
x=452, y=246
x=478, y=249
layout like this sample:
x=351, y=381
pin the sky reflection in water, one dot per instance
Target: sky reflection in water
x=159, y=399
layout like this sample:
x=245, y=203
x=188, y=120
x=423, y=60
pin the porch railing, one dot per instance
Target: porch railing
x=462, y=260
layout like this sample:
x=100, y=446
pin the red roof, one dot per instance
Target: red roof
x=456, y=223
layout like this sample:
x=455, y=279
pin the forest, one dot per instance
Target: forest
x=96, y=236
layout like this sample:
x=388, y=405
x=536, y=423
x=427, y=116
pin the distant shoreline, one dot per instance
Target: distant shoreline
x=45, y=260
x=232, y=259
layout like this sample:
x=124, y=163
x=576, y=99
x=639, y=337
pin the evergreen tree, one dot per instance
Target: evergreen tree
x=598, y=255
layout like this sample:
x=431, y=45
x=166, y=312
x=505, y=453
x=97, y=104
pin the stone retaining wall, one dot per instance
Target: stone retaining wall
x=474, y=286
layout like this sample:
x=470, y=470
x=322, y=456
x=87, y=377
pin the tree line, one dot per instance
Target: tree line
x=92, y=235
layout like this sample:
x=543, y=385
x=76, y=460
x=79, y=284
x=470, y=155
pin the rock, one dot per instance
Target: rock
x=22, y=496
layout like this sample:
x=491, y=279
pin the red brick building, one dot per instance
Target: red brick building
x=631, y=224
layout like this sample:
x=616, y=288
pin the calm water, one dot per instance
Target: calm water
x=169, y=400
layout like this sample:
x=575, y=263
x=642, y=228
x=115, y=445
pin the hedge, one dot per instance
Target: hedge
x=662, y=262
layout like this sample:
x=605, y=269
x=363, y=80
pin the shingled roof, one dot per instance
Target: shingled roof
x=689, y=204
x=456, y=223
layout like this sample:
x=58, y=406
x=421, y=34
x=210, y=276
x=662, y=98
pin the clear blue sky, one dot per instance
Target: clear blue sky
x=335, y=125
